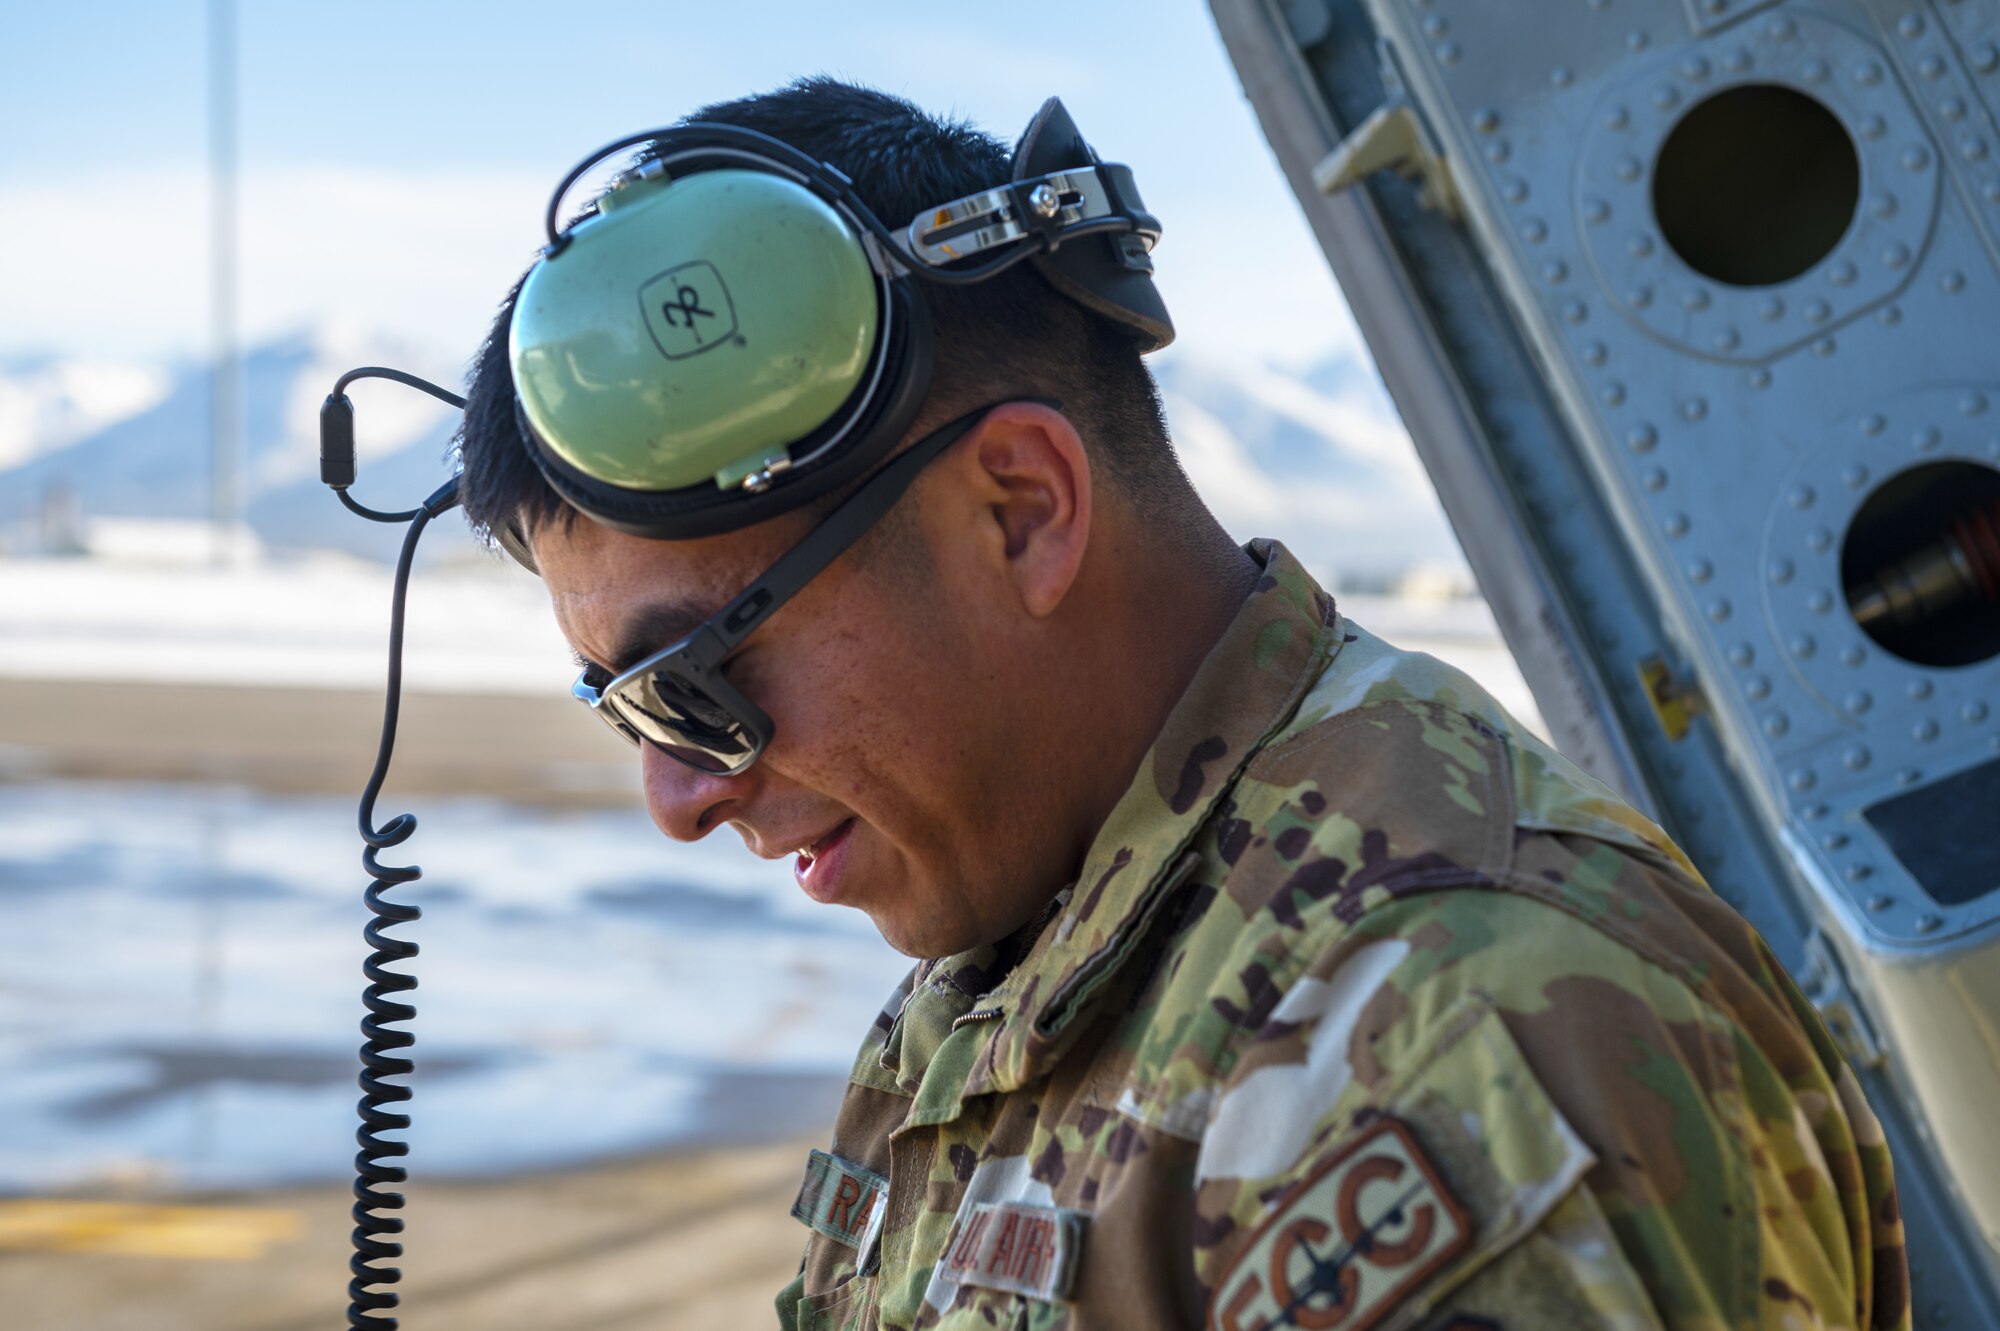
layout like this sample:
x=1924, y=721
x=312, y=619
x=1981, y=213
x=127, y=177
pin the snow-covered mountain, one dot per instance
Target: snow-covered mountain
x=47, y=402
x=151, y=459
x=1316, y=457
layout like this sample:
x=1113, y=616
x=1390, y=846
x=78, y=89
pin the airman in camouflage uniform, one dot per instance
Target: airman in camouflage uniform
x=1366, y=1010
x=1362, y=1010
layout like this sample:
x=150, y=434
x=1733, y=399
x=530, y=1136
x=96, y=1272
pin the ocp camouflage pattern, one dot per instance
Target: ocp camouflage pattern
x=1347, y=888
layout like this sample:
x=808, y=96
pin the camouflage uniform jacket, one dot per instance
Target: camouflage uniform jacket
x=1367, y=1010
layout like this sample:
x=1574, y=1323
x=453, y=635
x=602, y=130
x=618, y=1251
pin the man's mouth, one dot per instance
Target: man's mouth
x=817, y=867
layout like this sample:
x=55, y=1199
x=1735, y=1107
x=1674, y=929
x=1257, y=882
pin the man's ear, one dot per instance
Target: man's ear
x=1031, y=479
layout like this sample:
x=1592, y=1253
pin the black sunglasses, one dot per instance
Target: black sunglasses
x=678, y=699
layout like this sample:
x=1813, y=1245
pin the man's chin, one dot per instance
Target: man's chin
x=924, y=938
x=915, y=942
x=927, y=934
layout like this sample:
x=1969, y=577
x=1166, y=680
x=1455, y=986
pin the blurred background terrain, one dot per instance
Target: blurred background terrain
x=625, y=1046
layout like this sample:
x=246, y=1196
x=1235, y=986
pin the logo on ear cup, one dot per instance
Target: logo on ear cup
x=688, y=310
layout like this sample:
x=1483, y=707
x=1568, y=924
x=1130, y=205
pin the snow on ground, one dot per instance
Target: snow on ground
x=321, y=621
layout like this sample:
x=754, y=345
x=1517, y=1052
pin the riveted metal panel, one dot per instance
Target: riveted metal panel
x=1949, y=57
x=1877, y=726
x=1706, y=421
x=1673, y=476
x=1629, y=121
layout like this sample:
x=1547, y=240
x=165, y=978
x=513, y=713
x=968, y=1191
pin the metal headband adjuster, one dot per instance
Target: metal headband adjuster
x=1056, y=207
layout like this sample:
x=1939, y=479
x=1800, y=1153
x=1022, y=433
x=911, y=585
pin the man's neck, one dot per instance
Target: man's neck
x=1168, y=603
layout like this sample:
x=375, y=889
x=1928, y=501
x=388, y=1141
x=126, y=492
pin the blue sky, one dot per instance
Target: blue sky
x=396, y=157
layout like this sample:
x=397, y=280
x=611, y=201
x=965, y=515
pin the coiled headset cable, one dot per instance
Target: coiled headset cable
x=381, y=1050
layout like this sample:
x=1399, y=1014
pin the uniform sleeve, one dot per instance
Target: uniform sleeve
x=1475, y=1110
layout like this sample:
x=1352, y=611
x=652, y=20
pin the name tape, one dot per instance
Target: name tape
x=841, y=1200
x=1013, y=1246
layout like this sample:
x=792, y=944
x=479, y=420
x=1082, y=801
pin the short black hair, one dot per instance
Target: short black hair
x=1013, y=334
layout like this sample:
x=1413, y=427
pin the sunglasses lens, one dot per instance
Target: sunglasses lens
x=687, y=723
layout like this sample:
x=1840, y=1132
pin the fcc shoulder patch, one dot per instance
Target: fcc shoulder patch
x=840, y=1199
x=1016, y=1247
x=1364, y=1229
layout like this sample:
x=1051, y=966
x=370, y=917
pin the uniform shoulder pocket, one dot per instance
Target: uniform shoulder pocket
x=851, y=1307
x=1405, y=1195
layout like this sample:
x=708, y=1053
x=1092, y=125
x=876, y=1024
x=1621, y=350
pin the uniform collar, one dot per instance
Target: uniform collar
x=940, y=995
x=1244, y=691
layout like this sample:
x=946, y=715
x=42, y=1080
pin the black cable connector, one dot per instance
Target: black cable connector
x=336, y=441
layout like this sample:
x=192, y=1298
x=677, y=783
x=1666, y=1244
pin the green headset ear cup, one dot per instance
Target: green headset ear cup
x=865, y=428
x=694, y=328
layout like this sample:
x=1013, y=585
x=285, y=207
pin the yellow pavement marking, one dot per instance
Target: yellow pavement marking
x=129, y=1229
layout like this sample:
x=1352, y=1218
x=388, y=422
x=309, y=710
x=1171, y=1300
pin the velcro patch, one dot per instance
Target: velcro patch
x=840, y=1199
x=1016, y=1247
x=1363, y=1230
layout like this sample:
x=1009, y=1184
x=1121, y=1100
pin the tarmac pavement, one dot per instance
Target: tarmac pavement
x=693, y=1240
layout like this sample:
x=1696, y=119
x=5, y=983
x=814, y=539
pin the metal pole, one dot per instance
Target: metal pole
x=226, y=506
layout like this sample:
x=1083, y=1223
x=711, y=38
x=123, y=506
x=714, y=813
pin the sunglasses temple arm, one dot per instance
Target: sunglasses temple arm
x=821, y=546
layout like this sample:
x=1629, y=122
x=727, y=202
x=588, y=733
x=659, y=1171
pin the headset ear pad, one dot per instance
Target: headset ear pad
x=1091, y=270
x=878, y=421
x=705, y=329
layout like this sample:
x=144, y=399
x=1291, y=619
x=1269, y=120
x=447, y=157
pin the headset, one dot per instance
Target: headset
x=725, y=333
x=729, y=332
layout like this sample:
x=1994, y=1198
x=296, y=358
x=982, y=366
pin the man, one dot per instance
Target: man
x=1269, y=976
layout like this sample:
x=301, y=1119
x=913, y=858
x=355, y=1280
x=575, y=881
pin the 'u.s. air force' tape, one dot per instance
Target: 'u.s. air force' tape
x=1359, y=1234
x=1013, y=1246
x=841, y=1200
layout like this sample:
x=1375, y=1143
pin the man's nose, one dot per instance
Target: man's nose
x=687, y=804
